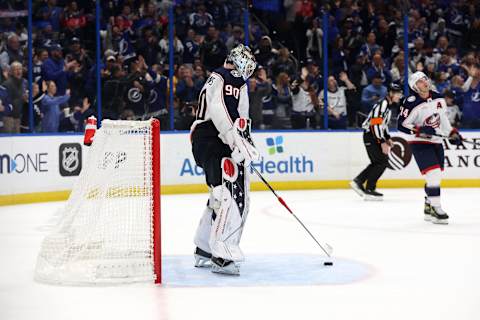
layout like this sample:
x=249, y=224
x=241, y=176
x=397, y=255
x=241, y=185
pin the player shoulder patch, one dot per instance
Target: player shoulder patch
x=235, y=73
x=411, y=99
x=210, y=80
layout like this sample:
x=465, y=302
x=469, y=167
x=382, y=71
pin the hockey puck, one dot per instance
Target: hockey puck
x=328, y=263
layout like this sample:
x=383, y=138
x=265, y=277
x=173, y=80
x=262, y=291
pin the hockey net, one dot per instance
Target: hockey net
x=109, y=230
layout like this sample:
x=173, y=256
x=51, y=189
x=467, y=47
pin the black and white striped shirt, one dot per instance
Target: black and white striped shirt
x=378, y=120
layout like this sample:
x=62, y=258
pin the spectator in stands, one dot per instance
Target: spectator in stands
x=304, y=102
x=177, y=47
x=471, y=101
x=338, y=57
x=220, y=12
x=74, y=119
x=213, y=51
x=454, y=114
x=284, y=63
x=113, y=91
x=314, y=37
x=315, y=77
x=5, y=108
x=265, y=53
x=55, y=69
x=359, y=79
x=13, y=52
x=398, y=69
x=378, y=67
x=148, y=46
x=37, y=95
x=192, y=45
x=158, y=95
x=441, y=82
x=186, y=91
x=50, y=107
x=51, y=12
x=372, y=93
x=259, y=87
x=236, y=38
x=16, y=86
x=370, y=47
x=282, y=96
x=39, y=57
x=201, y=20
x=337, y=101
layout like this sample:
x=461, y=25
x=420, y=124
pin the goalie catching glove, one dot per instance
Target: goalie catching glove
x=241, y=143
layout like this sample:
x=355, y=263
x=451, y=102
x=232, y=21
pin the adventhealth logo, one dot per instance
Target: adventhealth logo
x=275, y=145
x=280, y=163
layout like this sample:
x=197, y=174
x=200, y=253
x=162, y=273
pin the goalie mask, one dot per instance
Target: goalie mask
x=243, y=60
x=414, y=78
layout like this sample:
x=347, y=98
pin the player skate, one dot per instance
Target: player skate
x=427, y=210
x=438, y=216
x=372, y=195
x=358, y=188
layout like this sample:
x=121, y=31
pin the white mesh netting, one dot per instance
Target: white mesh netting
x=105, y=234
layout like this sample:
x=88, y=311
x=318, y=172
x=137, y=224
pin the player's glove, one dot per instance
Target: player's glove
x=424, y=132
x=454, y=137
x=239, y=139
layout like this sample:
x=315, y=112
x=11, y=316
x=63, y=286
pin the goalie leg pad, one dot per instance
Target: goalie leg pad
x=231, y=212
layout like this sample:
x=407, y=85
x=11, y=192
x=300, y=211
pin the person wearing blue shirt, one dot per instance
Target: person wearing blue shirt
x=50, y=108
x=373, y=93
x=55, y=69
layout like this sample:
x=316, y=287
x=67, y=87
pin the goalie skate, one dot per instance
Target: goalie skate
x=223, y=266
x=202, y=258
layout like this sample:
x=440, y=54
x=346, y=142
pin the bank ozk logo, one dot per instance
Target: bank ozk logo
x=400, y=154
x=275, y=145
x=70, y=159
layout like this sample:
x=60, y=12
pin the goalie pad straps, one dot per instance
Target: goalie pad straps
x=241, y=143
x=231, y=214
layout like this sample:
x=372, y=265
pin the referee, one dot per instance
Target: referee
x=377, y=142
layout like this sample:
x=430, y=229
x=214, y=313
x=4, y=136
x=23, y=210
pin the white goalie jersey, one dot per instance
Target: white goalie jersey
x=223, y=99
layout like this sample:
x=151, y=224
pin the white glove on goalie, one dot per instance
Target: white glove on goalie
x=240, y=141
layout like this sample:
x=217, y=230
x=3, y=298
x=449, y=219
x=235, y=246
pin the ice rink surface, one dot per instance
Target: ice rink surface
x=388, y=263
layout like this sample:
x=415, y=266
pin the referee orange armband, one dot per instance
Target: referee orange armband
x=375, y=121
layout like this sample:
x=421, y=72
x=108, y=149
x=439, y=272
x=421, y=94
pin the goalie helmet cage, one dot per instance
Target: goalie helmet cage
x=109, y=229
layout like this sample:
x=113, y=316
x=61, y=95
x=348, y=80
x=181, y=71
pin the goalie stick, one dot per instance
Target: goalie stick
x=326, y=247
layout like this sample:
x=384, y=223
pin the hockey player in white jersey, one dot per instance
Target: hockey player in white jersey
x=222, y=146
x=423, y=117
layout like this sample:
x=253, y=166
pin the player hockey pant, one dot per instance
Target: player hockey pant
x=378, y=162
x=221, y=225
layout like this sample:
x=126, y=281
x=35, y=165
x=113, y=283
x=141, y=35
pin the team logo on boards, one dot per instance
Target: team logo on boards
x=400, y=154
x=70, y=159
x=275, y=145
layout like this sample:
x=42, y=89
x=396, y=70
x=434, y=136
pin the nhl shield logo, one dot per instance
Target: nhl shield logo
x=70, y=159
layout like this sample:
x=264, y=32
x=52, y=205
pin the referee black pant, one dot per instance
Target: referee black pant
x=378, y=159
